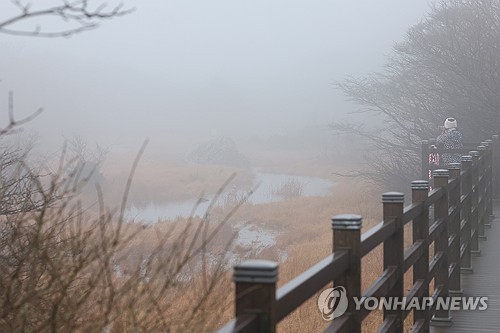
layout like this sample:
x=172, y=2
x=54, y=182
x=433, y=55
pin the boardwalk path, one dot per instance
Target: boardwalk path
x=485, y=281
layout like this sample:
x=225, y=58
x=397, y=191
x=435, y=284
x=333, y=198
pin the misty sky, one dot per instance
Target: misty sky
x=186, y=67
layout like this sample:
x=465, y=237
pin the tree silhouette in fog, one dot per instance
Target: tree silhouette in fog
x=446, y=66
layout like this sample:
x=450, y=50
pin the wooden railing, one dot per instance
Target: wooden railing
x=451, y=217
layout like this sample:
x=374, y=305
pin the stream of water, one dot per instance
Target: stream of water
x=268, y=184
x=269, y=189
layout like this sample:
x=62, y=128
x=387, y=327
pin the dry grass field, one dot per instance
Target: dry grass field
x=303, y=230
x=300, y=227
x=178, y=273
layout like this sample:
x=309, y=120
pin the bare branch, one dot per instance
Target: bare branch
x=75, y=13
x=16, y=123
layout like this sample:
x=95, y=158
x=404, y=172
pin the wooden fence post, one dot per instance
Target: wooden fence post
x=442, y=316
x=256, y=291
x=474, y=203
x=393, y=205
x=489, y=188
x=425, y=159
x=466, y=261
x=420, y=226
x=455, y=285
x=482, y=198
x=496, y=166
x=488, y=204
x=347, y=236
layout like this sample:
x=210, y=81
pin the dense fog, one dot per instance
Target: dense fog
x=173, y=70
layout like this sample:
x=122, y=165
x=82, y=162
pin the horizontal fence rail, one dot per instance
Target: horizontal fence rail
x=447, y=222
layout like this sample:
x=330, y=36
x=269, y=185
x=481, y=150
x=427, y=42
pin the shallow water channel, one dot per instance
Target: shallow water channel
x=269, y=187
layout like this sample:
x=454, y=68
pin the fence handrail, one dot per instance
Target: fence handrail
x=304, y=286
x=462, y=205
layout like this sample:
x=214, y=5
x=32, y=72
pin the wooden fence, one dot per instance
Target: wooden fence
x=447, y=224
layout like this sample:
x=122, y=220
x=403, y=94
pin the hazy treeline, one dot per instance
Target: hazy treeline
x=448, y=65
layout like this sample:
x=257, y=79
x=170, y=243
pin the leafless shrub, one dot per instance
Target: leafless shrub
x=69, y=266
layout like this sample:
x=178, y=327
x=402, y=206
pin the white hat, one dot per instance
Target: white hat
x=450, y=123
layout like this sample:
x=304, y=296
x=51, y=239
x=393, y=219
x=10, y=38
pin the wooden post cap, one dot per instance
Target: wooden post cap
x=256, y=271
x=393, y=197
x=454, y=166
x=481, y=147
x=474, y=153
x=466, y=158
x=440, y=173
x=420, y=185
x=347, y=222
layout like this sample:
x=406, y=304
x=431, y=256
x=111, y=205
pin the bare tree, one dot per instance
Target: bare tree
x=74, y=267
x=18, y=192
x=65, y=267
x=75, y=16
x=68, y=267
x=448, y=65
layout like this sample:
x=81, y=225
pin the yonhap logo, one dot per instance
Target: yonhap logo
x=332, y=303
